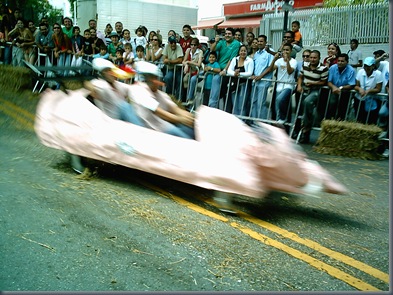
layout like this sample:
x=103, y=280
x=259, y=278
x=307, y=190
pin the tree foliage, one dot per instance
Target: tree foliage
x=36, y=9
x=338, y=3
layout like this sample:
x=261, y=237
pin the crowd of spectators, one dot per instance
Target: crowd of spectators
x=238, y=71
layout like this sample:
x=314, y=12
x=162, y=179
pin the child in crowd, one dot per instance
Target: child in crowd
x=126, y=37
x=212, y=68
x=128, y=55
x=88, y=49
x=119, y=58
x=298, y=35
x=103, y=52
x=140, y=39
x=140, y=53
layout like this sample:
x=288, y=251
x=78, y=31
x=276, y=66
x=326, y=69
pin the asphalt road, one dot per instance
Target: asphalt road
x=126, y=230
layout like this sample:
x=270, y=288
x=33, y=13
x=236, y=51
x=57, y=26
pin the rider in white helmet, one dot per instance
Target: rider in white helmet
x=167, y=117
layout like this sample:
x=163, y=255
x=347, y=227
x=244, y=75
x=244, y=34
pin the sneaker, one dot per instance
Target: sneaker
x=385, y=154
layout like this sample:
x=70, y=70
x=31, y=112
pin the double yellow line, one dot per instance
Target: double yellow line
x=320, y=265
x=26, y=119
x=23, y=117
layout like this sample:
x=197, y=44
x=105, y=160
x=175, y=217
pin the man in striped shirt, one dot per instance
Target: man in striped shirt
x=312, y=77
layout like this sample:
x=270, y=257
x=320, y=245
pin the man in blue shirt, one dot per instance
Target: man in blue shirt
x=342, y=79
x=262, y=61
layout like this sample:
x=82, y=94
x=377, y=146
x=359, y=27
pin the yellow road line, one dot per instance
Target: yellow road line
x=317, y=247
x=271, y=227
x=17, y=117
x=18, y=109
x=333, y=271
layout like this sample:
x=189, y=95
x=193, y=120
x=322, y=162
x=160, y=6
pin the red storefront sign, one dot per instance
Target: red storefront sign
x=261, y=6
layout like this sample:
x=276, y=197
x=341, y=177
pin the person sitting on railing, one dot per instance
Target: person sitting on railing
x=173, y=55
x=191, y=64
x=312, y=77
x=342, y=79
x=241, y=66
x=285, y=66
x=368, y=83
x=45, y=44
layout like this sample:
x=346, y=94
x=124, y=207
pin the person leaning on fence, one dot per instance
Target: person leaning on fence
x=68, y=26
x=240, y=68
x=45, y=44
x=210, y=69
x=341, y=80
x=286, y=70
x=22, y=36
x=368, y=83
x=312, y=77
x=305, y=58
x=192, y=63
x=249, y=39
x=173, y=55
x=226, y=50
x=262, y=70
x=164, y=116
x=382, y=65
x=383, y=116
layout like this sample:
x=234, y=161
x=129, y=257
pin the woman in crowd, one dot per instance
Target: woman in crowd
x=253, y=48
x=22, y=42
x=192, y=63
x=241, y=66
x=63, y=46
x=333, y=51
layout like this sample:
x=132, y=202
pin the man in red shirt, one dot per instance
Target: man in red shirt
x=185, y=41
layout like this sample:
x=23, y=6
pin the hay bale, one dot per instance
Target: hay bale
x=15, y=78
x=349, y=139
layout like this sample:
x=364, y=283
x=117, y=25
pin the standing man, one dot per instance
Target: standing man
x=45, y=44
x=249, y=38
x=342, y=79
x=226, y=49
x=312, y=77
x=119, y=29
x=99, y=34
x=173, y=55
x=355, y=55
x=262, y=61
x=185, y=41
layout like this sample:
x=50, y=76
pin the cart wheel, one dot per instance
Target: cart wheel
x=224, y=202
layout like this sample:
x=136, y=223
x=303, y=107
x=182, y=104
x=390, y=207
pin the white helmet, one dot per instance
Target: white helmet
x=144, y=67
x=100, y=64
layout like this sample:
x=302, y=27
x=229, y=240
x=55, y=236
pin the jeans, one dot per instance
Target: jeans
x=17, y=56
x=239, y=99
x=191, y=87
x=181, y=131
x=215, y=91
x=168, y=79
x=309, y=104
x=7, y=54
x=64, y=60
x=283, y=103
x=338, y=106
x=127, y=113
x=258, y=102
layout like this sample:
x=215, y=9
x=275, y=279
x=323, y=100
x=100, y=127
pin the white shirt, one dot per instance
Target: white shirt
x=248, y=67
x=282, y=73
x=368, y=82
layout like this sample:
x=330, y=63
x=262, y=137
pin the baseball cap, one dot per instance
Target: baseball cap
x=379, y=52
x=212, y=40
x=369, y=61
x=113, y=34
x=172, y=39
x=100, y=64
